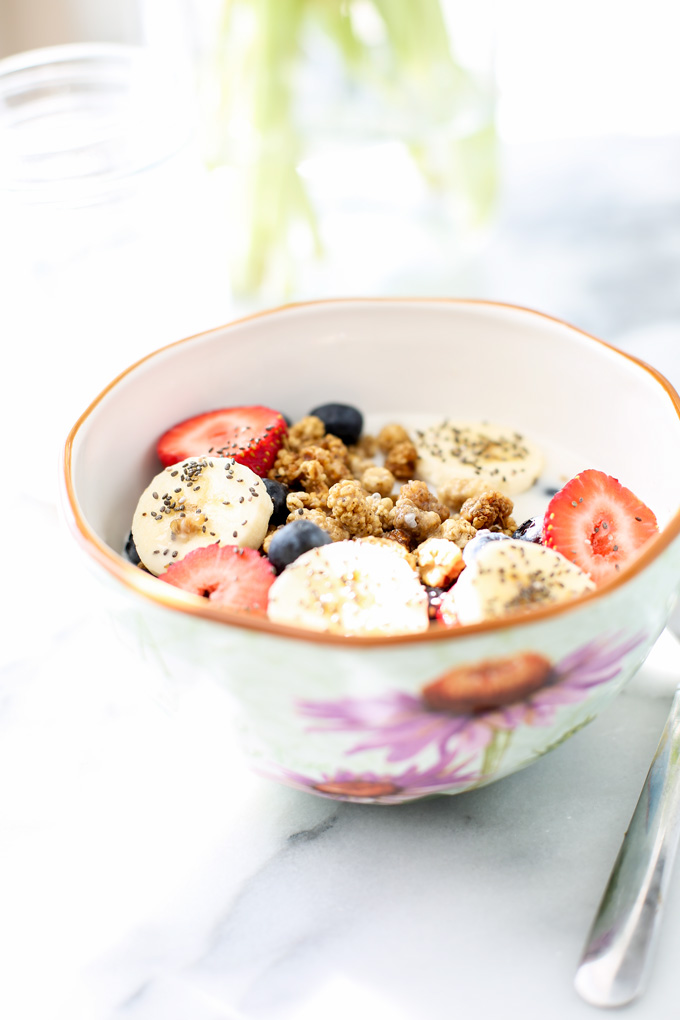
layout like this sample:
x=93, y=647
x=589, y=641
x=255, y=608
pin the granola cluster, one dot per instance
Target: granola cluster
x=491, y=509
x=418, y=512
x=345, y=491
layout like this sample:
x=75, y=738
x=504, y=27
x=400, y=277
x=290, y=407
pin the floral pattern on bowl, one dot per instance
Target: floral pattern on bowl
x=371, y=787
x=462, y=749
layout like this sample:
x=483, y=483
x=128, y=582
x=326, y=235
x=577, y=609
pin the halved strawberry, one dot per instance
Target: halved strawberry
x=251, y=435
x=598, y=524
x=230, y=577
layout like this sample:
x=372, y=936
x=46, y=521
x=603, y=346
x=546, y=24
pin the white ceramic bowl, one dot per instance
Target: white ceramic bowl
x=345, y=717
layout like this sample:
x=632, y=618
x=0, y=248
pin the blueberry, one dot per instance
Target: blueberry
x=131, y=551
x=531, y=530
x=341, y=420
x=479, y=541
x=277, y=493
x=293, y=540
x=434, y=600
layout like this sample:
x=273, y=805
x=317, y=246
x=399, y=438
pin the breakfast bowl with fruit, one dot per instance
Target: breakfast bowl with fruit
x=419, y=542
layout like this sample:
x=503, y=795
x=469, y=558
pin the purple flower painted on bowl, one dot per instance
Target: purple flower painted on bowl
x=592, y=665
x=404, y=725
x=372, y=787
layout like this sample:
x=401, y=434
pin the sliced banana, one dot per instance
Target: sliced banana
x=350, y=587
x=511, y=576
x=199, y=502
x=496, y=456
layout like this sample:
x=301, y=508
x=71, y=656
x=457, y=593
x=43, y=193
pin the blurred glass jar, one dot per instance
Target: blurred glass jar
x=355, y=140
x=91, y=137
x=103, y=251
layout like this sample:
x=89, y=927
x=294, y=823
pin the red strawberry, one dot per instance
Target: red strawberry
x=598, y=524
x=446, y=609
x=251, y=435
x=230, y=577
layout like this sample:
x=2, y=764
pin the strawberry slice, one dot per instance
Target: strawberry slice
x=598, y=524
x=446, y=609
x=251, y=435
x=228, y=576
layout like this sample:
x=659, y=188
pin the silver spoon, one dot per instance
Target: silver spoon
x=615, y=963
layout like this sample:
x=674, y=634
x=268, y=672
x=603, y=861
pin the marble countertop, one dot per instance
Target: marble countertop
x=145, y=874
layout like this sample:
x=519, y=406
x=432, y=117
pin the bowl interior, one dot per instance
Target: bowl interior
x=578, y=398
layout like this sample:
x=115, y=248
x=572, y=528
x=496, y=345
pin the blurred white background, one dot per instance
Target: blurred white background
x=590, y=67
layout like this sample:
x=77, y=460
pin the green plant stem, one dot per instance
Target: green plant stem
x=259, y=82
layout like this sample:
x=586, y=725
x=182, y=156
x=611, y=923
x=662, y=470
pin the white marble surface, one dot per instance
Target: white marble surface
x=144, y=873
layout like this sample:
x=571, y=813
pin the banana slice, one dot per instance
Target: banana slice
x=492, y=455
x=198, y=502
x=350, y=587
x=510, y=576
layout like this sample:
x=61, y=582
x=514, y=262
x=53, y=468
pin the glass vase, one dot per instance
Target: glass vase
x=353, y=143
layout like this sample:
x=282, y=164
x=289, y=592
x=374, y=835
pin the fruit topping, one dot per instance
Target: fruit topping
x=228, y=576
x=530, y=530
x=598, y=524
x=512, y=576
x=130, y=551
x=359, y=557
x=434, y=598
x=481, y=539
x=497, y=456
x=341, y=420
x=293, y=540
x=250, y=435
x=196, y=503
x=278, y=493
x=351, y=587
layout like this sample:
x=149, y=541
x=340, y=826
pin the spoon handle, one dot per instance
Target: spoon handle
x=615, y=962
